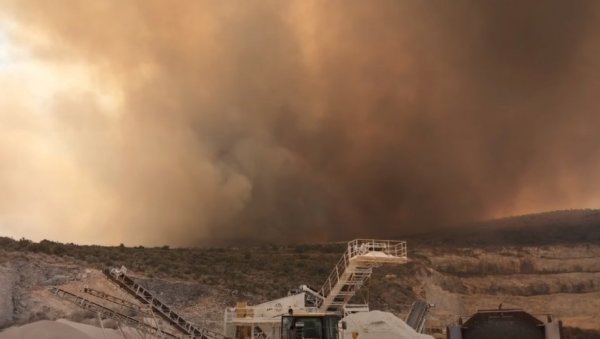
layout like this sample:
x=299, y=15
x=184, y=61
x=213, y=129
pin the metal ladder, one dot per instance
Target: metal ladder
x=355, y=268
x=106, y=312
x=143, y=295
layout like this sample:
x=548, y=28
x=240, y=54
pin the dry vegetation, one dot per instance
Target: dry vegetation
x=264, y=271
x=555, y=271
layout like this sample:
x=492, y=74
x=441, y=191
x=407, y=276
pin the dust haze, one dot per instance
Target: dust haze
x=203, y=122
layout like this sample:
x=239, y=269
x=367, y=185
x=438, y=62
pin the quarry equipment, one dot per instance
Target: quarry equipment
x=418, y=315
x=129, y=285
x=105, y=312
x=310, y=325
x=331, y=301
x=505, y=323
x=355, y=268
x=125, y=304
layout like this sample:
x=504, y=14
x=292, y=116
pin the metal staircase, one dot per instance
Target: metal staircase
x=355, y=268
x=143, y=295
x=105, y=312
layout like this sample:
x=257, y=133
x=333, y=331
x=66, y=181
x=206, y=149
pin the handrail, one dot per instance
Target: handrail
x=370, y=253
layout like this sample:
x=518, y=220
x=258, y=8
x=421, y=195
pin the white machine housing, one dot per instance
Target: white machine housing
x=348, y=276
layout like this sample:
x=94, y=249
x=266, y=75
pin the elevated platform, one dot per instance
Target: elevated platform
x=355, y=268
x=377, y=251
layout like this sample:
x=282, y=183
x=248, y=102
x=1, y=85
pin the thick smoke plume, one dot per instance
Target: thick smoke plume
x=217, y=121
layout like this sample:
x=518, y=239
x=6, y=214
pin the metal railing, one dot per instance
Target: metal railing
x=355, y=308
x=334, y=276
x=366, y=253
x=391, y=248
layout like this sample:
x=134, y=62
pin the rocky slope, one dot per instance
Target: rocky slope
x=548, y=280
x=24, y=278
x=541, y=273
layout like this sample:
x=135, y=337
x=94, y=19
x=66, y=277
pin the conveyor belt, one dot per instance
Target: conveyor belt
x=116, y=300
x=108, y=313
x=160, y=308
x=418, y=315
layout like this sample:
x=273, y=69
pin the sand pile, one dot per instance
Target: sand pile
x=62, y=329
x=379, y=325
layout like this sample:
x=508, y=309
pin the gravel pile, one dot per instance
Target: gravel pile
x=379, y=325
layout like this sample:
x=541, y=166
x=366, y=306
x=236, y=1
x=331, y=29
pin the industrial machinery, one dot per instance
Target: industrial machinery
x=306, y=308
x=418, y=315
x=136, y=316
x=306, y=313
x=310, y=325
x=508, y=323
x=107, y=313
x=190, y=330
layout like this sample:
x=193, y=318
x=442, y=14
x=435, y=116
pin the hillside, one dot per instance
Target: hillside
x=548, y=228
x=546, y=263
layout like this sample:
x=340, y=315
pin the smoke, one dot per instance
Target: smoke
x=196, y=122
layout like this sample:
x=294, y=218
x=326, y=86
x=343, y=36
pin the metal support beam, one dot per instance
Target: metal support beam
x=106, y=312
x=143, y=295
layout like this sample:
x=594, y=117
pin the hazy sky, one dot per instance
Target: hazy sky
x=198, y=122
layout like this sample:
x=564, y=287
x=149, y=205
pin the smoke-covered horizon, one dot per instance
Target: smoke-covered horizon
x=197, y=122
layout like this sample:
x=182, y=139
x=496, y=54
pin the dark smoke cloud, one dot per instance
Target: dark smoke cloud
x=311, y=121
